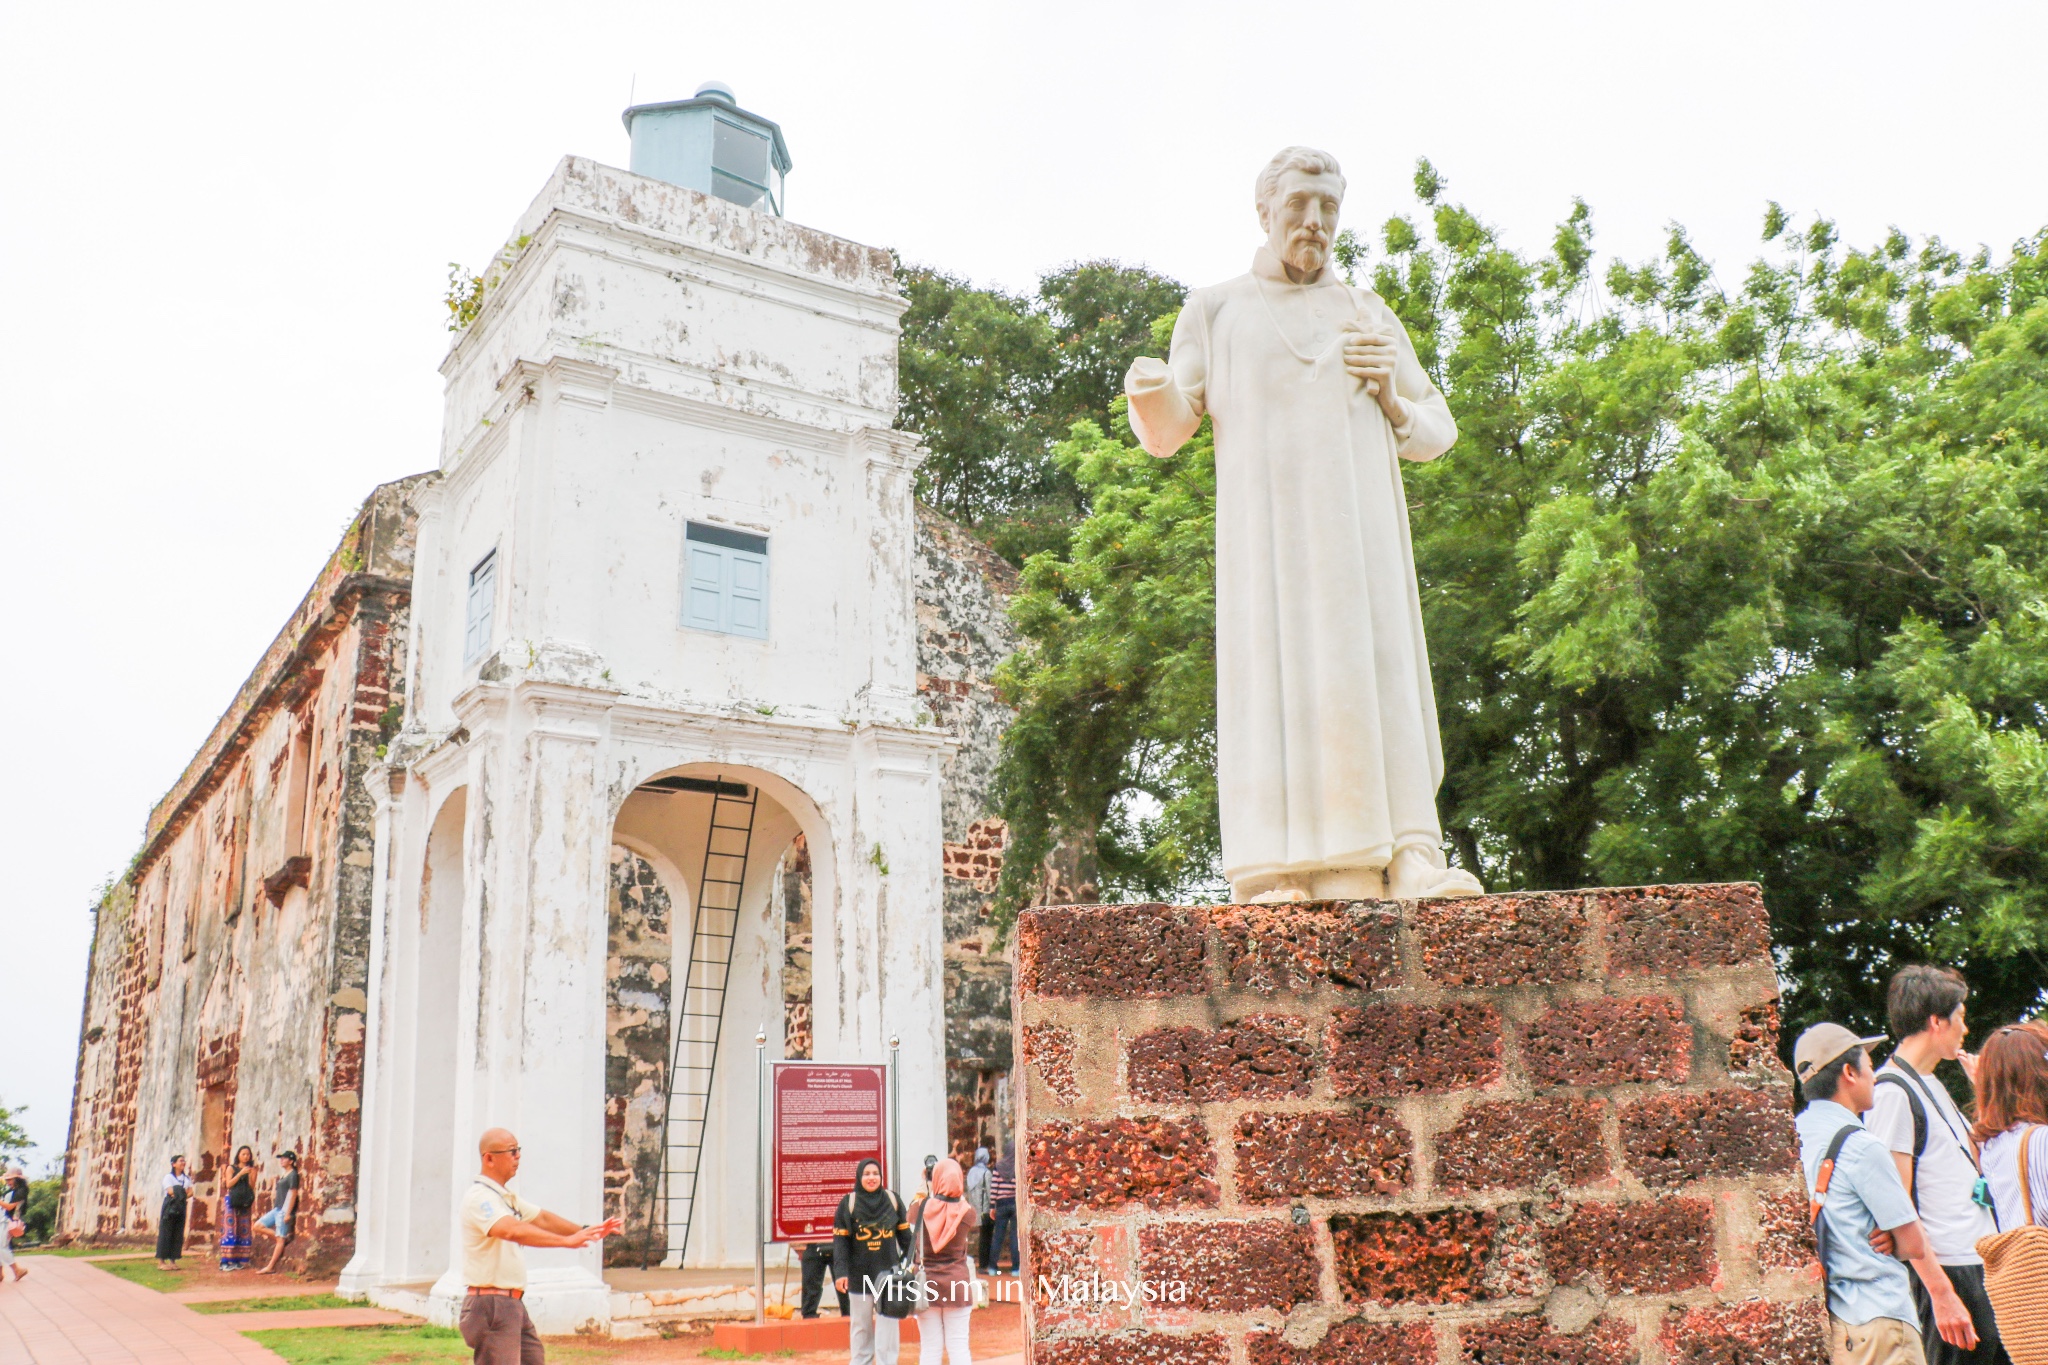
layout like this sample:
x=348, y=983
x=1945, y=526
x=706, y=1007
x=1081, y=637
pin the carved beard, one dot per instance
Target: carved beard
x=1307, y=254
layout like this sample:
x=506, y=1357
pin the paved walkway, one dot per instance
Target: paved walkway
x=70, y=1313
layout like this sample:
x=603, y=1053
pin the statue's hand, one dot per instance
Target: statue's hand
x=1369, y=356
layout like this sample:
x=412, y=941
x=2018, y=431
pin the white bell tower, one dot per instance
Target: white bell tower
x=669, y=555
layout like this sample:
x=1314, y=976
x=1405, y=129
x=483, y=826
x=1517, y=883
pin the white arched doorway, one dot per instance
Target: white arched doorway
x=435, y=988
x=704, y=848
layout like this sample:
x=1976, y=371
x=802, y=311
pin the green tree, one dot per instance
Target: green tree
x=14, y=1139
x=1722, y=581
x=40, y=1218
x=994, y=380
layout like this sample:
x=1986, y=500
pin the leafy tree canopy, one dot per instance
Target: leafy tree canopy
x=1727, y=578
x=14, y=1139
x=992, y=380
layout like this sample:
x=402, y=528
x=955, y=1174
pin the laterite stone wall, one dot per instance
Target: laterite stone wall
x=1497, y=1131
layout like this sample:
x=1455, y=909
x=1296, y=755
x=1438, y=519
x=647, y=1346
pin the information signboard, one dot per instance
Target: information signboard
x=826, y=1117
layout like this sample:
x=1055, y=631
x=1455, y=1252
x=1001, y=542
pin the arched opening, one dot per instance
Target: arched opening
x=708, y=864
x=436, y=970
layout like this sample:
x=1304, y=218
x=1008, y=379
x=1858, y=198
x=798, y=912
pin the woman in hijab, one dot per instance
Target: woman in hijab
x=870, y=1234
x=170, y=1220
x=946, y=1222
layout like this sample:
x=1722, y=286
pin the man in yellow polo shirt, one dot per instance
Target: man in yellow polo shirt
x=495, y=1224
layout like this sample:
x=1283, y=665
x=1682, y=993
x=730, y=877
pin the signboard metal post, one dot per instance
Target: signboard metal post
x=760, y=1193
x=895, y=1070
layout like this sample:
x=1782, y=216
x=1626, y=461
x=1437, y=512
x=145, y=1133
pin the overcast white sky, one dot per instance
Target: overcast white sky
x=225, y=231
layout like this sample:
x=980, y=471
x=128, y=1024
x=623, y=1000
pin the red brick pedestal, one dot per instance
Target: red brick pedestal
x=1498, y=1131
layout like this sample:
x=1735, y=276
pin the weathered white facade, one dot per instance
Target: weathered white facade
x=651, y=359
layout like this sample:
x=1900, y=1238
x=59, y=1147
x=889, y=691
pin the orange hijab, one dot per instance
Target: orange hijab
x=945, y=1211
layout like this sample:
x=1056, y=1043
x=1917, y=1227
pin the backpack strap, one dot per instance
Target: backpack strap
x=1817, y=1206
x=2026, y=1185
x=1919, y=1125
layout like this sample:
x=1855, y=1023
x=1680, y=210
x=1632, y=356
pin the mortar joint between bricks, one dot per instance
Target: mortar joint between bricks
x=1593, y=946
x=1408, y=949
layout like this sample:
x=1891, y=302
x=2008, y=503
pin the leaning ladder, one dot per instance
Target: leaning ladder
x=698, y=1016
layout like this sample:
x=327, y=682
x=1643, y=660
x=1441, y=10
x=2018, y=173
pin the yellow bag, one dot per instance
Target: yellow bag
x=2016, y=1277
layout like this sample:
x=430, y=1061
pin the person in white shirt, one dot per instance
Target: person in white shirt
x=1930, y=1142
x=170, y=1219
x=495, y=1223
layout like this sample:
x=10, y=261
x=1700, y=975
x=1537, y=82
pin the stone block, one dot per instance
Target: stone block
x=1755, y=1332
x=1088, y=1256
x=1349, y=1343
x=1785, y=1237
x=1755, y=1044
x=1134, y=1348
x=1503, y=940
x=1259, y=1057
x=1050, y=1048
x=1530, y=1339
x=1116, y=952
x=1397, y=1049
x=1434, y=1257
x=1609, y=1040
x=1674, y=929
x=1670, y=1140
x=1291, y=948
x=1333, y=1154
x=1518, y=1144
x=1156, y=1162
x=1654, y=1246
x=1233, y=1267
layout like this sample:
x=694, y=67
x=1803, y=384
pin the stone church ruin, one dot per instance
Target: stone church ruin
x=659, y=713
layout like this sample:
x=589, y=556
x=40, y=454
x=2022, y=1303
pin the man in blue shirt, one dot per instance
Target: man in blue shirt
x=1872, y=1319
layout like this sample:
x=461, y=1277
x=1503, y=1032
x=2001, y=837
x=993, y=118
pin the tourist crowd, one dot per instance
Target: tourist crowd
x=1932, y=1228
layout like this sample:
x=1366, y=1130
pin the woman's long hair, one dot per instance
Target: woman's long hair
x=2012, y=1079
x=238, y=1155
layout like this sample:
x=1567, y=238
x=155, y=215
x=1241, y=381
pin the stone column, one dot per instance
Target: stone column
x=532, y=1057
x=896, y=979
x=373, y=1225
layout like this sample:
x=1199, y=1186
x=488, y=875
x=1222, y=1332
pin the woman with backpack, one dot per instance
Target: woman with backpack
x=2012, y=1128
x=870, y=1234
x=170, y=1219
x=945, y=1224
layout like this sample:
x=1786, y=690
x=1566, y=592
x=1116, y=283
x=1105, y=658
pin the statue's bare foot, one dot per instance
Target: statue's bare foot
x=1419, y=874
x=1280, y=890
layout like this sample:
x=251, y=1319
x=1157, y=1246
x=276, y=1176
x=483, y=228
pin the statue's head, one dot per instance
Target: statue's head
x=1299, y=193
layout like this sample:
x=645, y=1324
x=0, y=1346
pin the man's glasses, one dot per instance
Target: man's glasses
x=503, y=1151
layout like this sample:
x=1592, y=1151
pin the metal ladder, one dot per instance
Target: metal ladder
x=699, y=1014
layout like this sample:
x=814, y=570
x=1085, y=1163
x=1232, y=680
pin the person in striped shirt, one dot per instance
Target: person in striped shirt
x=1002, y=1194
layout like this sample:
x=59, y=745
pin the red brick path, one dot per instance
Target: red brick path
x=70, y=1313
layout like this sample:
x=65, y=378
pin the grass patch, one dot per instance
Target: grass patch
x=282, y=1304
x=136, y=1252
x=413, y=1345
x=146, y=1274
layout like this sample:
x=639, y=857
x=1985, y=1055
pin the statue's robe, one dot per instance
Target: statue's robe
x=1327, y=748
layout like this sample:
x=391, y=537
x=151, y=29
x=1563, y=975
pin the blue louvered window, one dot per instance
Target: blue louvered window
x=476, y=621
x=725, y=580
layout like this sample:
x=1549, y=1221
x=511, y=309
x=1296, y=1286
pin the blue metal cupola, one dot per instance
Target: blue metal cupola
x=709, y=143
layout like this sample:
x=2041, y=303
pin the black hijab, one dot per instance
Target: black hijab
x=876, y=1208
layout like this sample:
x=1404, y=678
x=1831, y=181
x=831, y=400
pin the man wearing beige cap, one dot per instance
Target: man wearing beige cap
x=495, y=1224
x=1872, y=1319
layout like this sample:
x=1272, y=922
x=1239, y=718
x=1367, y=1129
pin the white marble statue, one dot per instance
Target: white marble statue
x=1327, y=751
